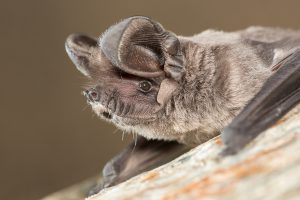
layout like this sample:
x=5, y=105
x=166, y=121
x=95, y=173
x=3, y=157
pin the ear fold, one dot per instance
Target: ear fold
x=142, y=47
x=79, y=48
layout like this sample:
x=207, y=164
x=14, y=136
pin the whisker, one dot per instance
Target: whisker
x=115, y=131
x=123, y=133
x=84, y=108
x=135, y=141
x=132, y=133
x=93, y=115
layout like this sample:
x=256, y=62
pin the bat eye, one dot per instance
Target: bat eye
x=145, y=86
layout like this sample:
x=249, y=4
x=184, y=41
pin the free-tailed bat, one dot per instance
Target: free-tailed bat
x=175, y=91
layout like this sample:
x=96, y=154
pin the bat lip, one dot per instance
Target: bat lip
x=108, y=114
x=129, y=117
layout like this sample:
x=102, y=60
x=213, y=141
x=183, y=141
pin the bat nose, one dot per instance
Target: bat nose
x=92, y=95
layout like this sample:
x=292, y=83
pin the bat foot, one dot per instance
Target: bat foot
x=95, y=190
x=109, y=178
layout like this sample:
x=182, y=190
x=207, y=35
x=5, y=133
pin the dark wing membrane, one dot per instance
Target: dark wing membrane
x=279, y=94
x=138, y=157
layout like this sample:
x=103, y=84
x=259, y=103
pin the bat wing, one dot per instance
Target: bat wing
x=138, y=157
x=279, y=94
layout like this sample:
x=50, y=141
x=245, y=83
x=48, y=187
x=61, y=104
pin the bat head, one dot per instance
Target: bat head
x=133, y=70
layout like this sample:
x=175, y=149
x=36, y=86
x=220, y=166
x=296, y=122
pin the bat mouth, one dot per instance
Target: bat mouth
x=111, y=115
x=110, y=107
x=101, y=111
x=107, y=115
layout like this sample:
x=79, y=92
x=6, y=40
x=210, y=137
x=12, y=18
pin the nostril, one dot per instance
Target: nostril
x=93, y=95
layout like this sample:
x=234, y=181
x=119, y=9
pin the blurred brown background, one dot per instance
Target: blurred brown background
x=48, y=140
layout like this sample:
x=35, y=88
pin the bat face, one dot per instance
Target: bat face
x=129, y=82
x=111, y=91
x=124, y=96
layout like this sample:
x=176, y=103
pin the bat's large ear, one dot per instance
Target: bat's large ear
x=142, y=47
x=80, y=49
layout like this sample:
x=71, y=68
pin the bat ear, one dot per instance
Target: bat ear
x=80, y=48
x=142, y=47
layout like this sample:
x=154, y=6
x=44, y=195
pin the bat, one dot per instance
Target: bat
x=176, y=92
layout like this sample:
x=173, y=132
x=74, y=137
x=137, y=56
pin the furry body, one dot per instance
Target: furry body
x=223, y=72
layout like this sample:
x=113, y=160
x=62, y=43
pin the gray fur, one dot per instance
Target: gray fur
x=222, y=72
